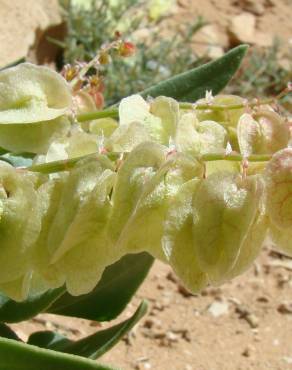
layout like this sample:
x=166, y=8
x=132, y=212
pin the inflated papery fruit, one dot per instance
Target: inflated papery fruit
x=19, y=228
x=225, y=207
x=133, y=177
x=196, y=185
x=141, y=121
x=224, y=116
x=33, y=100
x=178, y=239
x=195, y=138
x=72, y=246
x=278, y=177
x=264, y=132
x=152, y=206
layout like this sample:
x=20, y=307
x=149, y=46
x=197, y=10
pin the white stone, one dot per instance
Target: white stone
x=217, y=308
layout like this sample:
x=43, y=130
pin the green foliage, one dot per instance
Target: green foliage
x=111, y=295
x=192, y=85
x=92, y=346
x=109, y=298
x=262, y=75
x=11, y=311
x=156, y=58
x=15, y=355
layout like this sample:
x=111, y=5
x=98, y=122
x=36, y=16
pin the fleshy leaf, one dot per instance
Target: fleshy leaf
x=192, y=85
x=49, y=339
x=92, y=346
x=16, y=355
x=11, y=311
x=17, y=160
x=108, y=299
x=6, y=332
x=111, y=295
x=30, y=93
x=224, y=208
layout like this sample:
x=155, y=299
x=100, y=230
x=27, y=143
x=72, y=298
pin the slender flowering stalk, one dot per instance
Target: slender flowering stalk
x=114, y=112
x=67, y=164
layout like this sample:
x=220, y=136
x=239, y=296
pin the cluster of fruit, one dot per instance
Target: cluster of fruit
x=198, y=186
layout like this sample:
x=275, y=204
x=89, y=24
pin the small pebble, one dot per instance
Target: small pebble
x=171, y=277
x=287, y=359
x=247, y=351
x=285, y=307
x=217, y=309
x=183, y=291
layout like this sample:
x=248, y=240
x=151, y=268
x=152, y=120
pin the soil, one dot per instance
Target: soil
x=272, y=16
x=245, y=324
x=259, y=23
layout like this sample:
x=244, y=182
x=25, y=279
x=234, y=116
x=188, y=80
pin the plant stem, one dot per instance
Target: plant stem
x=67, y=164
x=222, y=107
x=114, y=112
x=235, y=157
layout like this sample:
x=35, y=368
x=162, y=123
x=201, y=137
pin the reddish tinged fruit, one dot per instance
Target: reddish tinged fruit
x=127, y=49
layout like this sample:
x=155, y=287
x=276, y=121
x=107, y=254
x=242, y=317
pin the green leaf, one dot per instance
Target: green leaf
x=50, y=340
x=192, y=85
x=116, y=288
x=15, y=355
x=111, y=295
x=6, y=332
x=92, y=346
x=11, y=311
x=17, y=160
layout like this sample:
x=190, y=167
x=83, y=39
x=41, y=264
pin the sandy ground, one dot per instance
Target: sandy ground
x=243, y=325
x=273, y=17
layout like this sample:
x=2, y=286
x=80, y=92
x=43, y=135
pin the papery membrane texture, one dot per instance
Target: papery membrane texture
x=149, y=186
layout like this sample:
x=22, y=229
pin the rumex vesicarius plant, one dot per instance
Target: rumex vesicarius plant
x=175, y=173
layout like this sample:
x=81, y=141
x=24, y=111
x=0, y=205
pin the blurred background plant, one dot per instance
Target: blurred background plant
x=159, y=55
x=263, y=75
x=91, y=24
